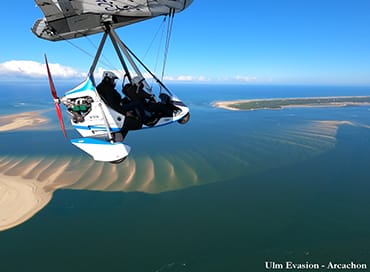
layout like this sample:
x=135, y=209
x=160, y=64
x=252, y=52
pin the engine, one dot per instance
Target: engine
x=79, y=108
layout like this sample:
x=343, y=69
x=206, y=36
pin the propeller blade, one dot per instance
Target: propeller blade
x=60, y=118
x=56, y=99
x=51, y=82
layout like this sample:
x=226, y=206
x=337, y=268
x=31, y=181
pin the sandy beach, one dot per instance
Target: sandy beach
x=24, y=120
x=228, y=105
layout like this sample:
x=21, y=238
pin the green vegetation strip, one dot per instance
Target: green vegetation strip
x=291, y=102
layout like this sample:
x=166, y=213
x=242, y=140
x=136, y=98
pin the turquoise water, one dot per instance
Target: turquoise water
x=271, y=185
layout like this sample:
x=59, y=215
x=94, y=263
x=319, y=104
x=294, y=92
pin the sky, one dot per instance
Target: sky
x=309, y=42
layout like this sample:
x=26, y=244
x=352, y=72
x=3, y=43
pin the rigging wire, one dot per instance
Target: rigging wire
x=146, y=68
x=155, y=36
x=106, y=63
x=79, y=48
x=159, y=50
x=168, y=39
x=159, y=30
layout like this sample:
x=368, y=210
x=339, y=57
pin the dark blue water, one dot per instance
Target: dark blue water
x=282, y=189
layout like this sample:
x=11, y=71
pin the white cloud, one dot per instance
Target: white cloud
x=246, y=78
x=187, y=78
x=36, y=70
x=27, y=69
x=204, y=79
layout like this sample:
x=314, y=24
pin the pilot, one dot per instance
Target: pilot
x=107, y=91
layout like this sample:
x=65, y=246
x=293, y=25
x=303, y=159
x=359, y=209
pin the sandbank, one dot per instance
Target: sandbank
x=28, y=183
x=24, y=120
x=26, y=186
x=20, y=199
x=282, y=103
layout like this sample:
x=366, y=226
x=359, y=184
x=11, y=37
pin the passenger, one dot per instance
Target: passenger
x=108, y=93
x=137, y=99
x=143, y=103
x=135, y=91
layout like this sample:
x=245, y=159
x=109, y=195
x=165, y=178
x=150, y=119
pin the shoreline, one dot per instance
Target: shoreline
x=290, y=102
x=23, y=120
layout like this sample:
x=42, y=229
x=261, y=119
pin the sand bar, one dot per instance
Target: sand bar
x=20, y=199
x=24, y=120
x=281, y=103
x=28, y=183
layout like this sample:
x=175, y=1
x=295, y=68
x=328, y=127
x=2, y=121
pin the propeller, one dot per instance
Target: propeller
x=56, y=98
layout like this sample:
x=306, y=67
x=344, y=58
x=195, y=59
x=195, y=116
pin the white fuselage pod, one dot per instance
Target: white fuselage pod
x=102, y=150
x=100, y=120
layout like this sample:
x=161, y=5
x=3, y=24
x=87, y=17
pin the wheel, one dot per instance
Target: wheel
x=119, y=161
x=184, y=119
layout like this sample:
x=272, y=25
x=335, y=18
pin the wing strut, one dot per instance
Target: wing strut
x=97, y=56
x=119, y=54
x=115, y=39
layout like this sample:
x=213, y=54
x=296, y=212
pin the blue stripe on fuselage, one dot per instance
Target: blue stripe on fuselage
x=101, y=128
x=86, y=86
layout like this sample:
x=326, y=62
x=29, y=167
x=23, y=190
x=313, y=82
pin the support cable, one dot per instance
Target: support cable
x=168, y=39
x=155, y=37
x=146, y=68
x=104, y=62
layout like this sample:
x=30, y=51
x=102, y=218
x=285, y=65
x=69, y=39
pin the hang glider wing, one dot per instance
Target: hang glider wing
x=68, y=19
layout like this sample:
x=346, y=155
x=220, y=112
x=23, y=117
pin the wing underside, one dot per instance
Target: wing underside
x=67, y=19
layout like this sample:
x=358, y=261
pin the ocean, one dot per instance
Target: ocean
x=229, y=191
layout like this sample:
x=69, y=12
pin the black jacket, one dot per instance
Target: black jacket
x=135, y=93
x=109, y=95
